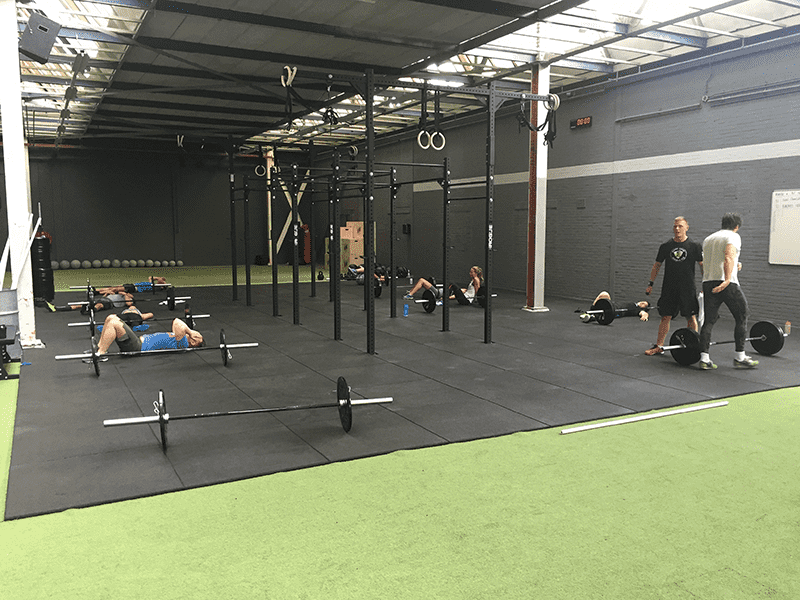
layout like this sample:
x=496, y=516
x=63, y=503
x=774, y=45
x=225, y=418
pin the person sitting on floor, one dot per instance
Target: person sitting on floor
x=624, y=309
x=463, y=296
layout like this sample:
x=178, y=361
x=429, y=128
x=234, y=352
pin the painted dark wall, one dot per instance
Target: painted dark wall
x=608, y=208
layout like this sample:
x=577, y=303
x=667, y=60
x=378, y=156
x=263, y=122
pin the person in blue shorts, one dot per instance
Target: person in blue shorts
x=117, y=330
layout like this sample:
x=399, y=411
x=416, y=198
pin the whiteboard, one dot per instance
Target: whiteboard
x=784, y=235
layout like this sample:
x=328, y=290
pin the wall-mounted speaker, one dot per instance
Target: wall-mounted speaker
x=38, y=38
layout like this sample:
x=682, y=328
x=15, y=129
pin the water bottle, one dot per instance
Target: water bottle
x=405, y=309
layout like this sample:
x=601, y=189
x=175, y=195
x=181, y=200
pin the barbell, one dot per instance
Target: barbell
x=344, y=404
x=95, y=359
x=431, y=298
x=133, y=319
x=765, y=337
x=152, y=289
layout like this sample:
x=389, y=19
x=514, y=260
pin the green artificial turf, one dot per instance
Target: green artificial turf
x=177, y=276
x=8, y=411
x=700, y=505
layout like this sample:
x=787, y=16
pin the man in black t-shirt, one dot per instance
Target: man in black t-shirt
x=678, y=291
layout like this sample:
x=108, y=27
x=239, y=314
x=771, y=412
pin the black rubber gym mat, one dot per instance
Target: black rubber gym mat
x=542, y=369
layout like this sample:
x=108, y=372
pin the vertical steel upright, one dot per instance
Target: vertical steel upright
x=493, y=104
x=232, y=200
x=336, y=250
x=369, y=196
x=295, y=188
x=276, y=191
x=445, y=244
x=246, y=204
x=392, y=233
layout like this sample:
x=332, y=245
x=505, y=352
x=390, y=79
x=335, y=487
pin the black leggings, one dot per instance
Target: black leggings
x=459, y=295
x=733, y=297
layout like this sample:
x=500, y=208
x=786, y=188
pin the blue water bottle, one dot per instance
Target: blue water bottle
x=405, y=309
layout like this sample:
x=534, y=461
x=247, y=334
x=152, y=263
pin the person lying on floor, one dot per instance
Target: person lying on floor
x=132, y=288
x=117, y=330
x=623, y=309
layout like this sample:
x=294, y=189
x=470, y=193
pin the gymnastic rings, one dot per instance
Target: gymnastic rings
x=426, y=140
x=552, y=102
x=424, y=135
x=260, y=170
x=433, y=142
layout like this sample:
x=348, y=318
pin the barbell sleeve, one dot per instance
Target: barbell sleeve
x=362, y=401
x=133, y=421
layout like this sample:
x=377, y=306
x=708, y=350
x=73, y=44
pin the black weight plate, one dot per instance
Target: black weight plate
x=430, y=300
x=690, y=340
x=95, y=359
x=345, y=405
x=773, y=338
x=223, y=347
x=162, y=421
x=606, y=317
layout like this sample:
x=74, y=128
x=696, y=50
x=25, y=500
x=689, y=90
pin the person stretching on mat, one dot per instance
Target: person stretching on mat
x=462, y=295
x=624, y=309
x=131, y=288
x=117, y=330
x=422, y=282
x=466, y=295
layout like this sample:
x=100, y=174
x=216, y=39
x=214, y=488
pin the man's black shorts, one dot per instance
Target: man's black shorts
x=681, y=301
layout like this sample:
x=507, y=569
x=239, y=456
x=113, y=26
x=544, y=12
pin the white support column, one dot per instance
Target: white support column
x=17, y=175
x=537, y=219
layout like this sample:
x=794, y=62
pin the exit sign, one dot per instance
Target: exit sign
x=581, y=122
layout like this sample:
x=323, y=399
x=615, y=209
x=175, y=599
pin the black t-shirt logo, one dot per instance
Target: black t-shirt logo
x=678, y=254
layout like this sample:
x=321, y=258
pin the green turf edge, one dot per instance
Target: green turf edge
x=181, y=277
x=700, y=505
x=8, y=410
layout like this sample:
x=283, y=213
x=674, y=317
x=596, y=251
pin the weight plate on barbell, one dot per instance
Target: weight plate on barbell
x=689, y=353
x=345, y=405
x=162, y=421
x=773, y=338
x=430, y=300
x=223, y=347
x=606, y=317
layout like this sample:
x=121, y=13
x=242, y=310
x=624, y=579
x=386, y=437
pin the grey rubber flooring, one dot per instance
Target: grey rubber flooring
x=541, y=370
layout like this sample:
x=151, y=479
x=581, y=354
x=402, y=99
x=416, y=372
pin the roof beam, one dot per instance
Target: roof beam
x=261, y=56
x=538, y=15
x=211, y=12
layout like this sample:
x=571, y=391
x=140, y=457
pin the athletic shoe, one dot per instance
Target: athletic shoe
x=707, y=366
x=89, y=360
x=747, y=363
x=408, y=297
x=585, y=317
x=653, y=350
